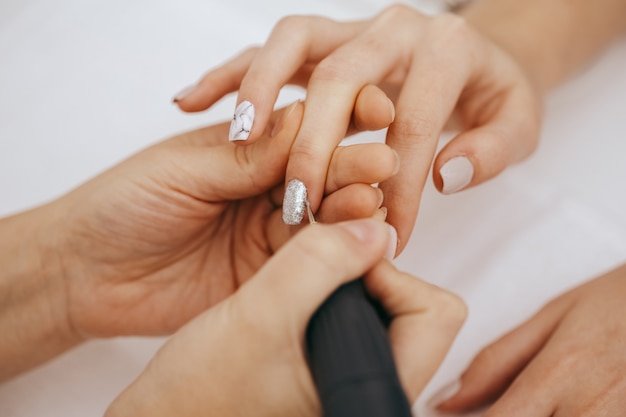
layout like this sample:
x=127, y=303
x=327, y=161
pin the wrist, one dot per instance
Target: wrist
x=549, y=39
x=510, y=32
x=33, y=310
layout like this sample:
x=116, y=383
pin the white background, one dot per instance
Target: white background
x=84, y=84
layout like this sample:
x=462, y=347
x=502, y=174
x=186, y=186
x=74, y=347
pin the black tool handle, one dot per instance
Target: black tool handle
x=351, y=360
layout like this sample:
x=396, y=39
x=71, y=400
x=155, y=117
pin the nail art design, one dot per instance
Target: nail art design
x=242, y=121
x=294, y=202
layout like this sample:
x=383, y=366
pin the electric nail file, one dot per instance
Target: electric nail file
x=348, y=348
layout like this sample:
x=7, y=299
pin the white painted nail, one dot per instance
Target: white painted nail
x=446, y=392
x=294, y=202
x=183, y=93
x=242, y=121
x=392, y=245
x=456, y=174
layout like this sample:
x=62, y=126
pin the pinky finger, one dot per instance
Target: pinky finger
x=216, y=83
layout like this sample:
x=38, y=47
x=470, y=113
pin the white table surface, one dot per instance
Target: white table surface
x=85, y=83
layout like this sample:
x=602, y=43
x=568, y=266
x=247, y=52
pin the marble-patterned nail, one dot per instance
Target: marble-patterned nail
x=242, y=121
x=445, y=393
x=183, y=93
x=294, y=202
x=456, y=174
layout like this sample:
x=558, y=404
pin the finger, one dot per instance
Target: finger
x=367, y=163
x=228, y=172
x=362, y=163
x=427, y=100
x=304, y=272
x=479, y=154
x=495, y=367
x=355, y=201
x=294, y=41
x=373, y=109
x=332, y=95
x=425, y=322
x=226, y=79
x=216, y=83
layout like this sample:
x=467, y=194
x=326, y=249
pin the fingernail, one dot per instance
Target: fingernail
x=381, y=197
x=396, y=168
x=280, y=123
x=242, y=121
x=393, y=110
x=392, y=245
x=456, y=174
x=383, y=211
x=294, y=202
x=444, y=394
x=183, y=93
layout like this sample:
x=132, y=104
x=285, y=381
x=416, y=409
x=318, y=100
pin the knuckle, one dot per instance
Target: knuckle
x=568, y=360
x=396, y=11
x=308, y=153
x=451, y=310
x=451, y=29
x=453, y=24
x=250, y=51
x=290, y=24
x=335, y=68
x=487, y=358
x=413, y=128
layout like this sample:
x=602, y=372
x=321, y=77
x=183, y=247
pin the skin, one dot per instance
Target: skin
x=148, y=245
x=246, y=356
x=432, y=68
x=568, y=358
x=485, y=72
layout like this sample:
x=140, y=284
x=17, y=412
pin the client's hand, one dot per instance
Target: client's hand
x=568, y=360
x=246, y=355
x=433, y=66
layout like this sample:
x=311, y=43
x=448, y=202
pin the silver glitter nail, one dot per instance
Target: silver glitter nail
x=294, y=202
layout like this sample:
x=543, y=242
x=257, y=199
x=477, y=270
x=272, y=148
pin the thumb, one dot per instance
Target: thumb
x=306, y=270
x=229, y=172
x=496, y=366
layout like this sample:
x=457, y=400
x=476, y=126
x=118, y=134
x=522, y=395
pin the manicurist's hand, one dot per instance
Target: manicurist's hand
x=246, y=355
x=432, y=67
x=568, y=360
x=159, y=238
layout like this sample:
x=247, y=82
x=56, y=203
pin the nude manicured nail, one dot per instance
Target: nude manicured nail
x=242, y=121
x=183, y=93
x=392, y=245
x=393, y=110
x=381, y=197
x=396, y=168
x=445, y=393
x=294, y=202
x=456, y=174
